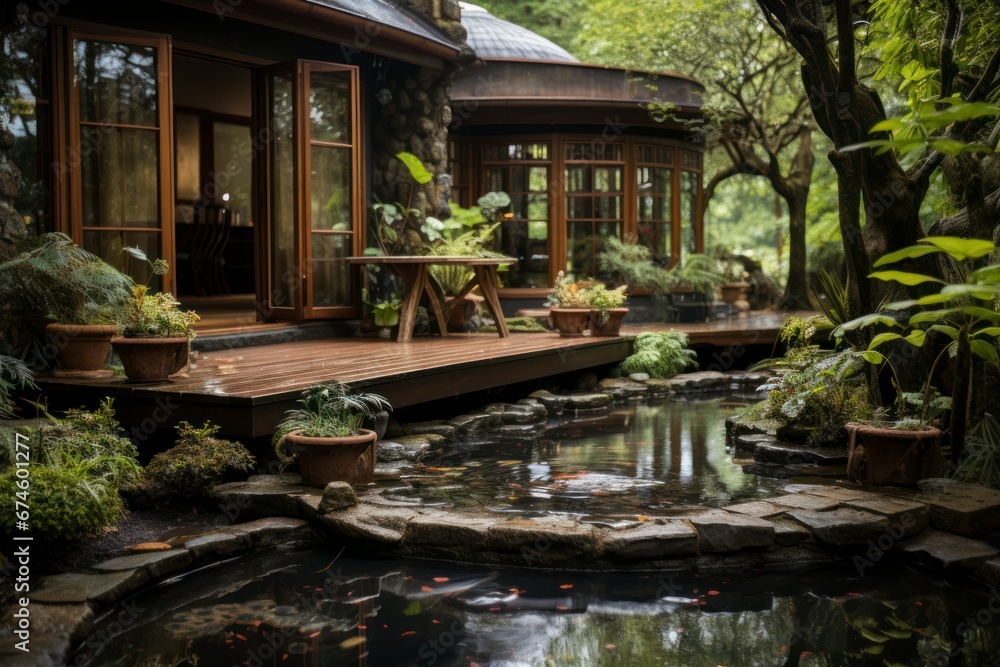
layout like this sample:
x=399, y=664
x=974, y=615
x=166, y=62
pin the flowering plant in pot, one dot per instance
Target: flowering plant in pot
x=606, y=309
x=963, y=315
x=569, y=305
x=76, y=297
x=155, y=333
x=327, y=434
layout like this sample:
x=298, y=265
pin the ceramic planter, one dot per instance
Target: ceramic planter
x=462, y=312
x=892, y=456
x=325, y=460
x=609, y=327
x=733, y=292
x=151, y=359
x=570, y=322
x=81, y=349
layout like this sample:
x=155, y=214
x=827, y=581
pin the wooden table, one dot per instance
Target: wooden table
x=419, y=282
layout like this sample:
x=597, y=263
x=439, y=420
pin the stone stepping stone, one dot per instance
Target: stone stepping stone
x=804, y=501
x=757, y=508
x=261, y=495
x=623, y=388
x=788, y=454
x=956, y=507
x=472, y=422
x=830, y=491
x=720, y=531
x=223, y=544
x=437, y=427
x=80, y=587
x=949, y=550
x=842, y=527
x=746, y=444
x=652, y=540
x=912, y=517
x=408, y=447
x=73, y=621
x=270, y=530
x=155, y=564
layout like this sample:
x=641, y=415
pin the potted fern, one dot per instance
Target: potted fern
x=155, y=333
x=75, y=295
x=327, y=434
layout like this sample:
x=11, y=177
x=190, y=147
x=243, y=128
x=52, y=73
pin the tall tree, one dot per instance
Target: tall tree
x=934, y=50
x=755, y=109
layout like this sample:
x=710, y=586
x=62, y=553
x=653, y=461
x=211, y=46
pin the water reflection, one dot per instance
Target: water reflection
x=313, y=608
x=646, y=457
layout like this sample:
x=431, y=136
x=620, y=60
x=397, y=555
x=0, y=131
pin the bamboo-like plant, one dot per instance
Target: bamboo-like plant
x=331, y=410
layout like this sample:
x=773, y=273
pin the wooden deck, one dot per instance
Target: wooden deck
x=246, y=390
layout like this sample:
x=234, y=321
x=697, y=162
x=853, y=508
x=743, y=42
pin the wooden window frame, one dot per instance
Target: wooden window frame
x=70, y=141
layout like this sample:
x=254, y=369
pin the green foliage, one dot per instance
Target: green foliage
x=832, y=297
x=14, y=374
x=819, y=393
x=660, y=355
x=467, y=233
x=66, y=503
x=569, y=292
x=633, y=264
x=156, y=315
x=556, y=20
x=53, y=277
x=518, y=324
x=197, y=462
x=329, y=410
x=603, y=299
x=968, y=312
x=416, y=168
x=78, y=466
x=981, y=461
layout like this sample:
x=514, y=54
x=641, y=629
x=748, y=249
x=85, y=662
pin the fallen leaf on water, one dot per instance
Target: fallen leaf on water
x=426, y=589
x=565, y=587
x=352, y=642
x=408, y=633
x=440, y=580
x=713, y=592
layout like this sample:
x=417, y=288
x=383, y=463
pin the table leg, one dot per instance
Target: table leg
x=436, y=297
x=411, y=301
x=488, y=285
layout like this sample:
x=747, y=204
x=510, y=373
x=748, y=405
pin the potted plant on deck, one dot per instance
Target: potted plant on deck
x=326, y=434
x=693, y=283
x=76, y=296
x=606, y=309
x=154, y=333
x=963, y=314
x=569, y=305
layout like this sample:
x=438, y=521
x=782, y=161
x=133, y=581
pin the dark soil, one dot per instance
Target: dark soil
x=144, y=525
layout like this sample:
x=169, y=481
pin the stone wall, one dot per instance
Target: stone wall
x=11, y=223
x=413, y=116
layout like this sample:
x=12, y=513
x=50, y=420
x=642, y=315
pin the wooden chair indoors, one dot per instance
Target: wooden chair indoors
x=212, y=226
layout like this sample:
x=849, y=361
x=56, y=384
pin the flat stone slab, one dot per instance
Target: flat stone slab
x=223, y=544
x=156, y=563
x=758, y=508
x=437, y=427
x=653, y=540
x=48, y=650
x=409, y=447
x=746, y=444
x=523, y=413
x=966, y=509
x=830, y=491
x=73, y=588
x=623, y=388
x=802, y=501
x=912, y=517
x=698, y=381
x=447, y=530
x=474, y=421
x=543, y=541
x=270, y=530
x=787, y=533
x=580, y=400
x=773, y=451
x=841, y=527
x=949, y=550
x=720, y=531
x=71, y=620
x=261, y=495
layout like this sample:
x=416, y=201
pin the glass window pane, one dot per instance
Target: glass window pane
x=331, y=188
x=117, y=83
x=607, y=179
x=529, y=243
x=108, y=245
x=608, y=207
x=120, y=177
x=579, y=207
x=580, y=249
x=496, y=179
x=284, y=276
x=329, y=107
x=578, y=179
x=690, y=181
x=656, y=237
x=233, y=170
x=187, y=128
x=331, y=275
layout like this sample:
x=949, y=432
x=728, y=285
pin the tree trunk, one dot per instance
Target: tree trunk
x=797, y=289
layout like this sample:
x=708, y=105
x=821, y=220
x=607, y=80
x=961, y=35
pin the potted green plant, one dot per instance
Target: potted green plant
x=735, y=288
x=569, y=305
x=155, y=333
x=606, y=309
x=326, y=434
x=692, y=286
x=79, y=296
x=964, y=314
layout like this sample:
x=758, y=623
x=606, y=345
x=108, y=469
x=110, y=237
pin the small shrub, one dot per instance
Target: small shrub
x=659, y=354
x=981, y=459
x=66, y=503
x=197, y=462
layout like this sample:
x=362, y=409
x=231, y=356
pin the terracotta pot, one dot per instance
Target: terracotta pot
x=462, y=312
x=733, y=292
x=152, y=359
x=570, y=321
x=611, y=326
x=892, y=456
x=81, y=348
x=325, y=460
